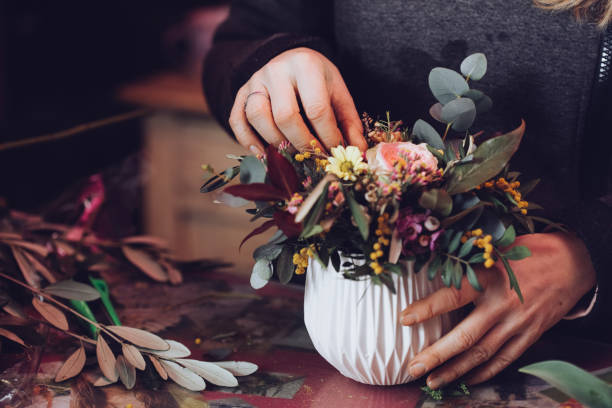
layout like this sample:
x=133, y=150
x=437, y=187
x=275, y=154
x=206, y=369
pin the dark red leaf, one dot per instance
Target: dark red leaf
x=259, y=230
x=281, y=171
x=256, y=192
x=286, y=223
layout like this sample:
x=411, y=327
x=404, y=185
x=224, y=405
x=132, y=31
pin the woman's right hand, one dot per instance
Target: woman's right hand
x=267, y=104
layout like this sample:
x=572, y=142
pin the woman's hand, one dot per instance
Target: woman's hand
x=268, y=104
x=500, y=328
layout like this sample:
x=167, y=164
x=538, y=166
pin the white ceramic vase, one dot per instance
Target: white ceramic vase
x=355, y=325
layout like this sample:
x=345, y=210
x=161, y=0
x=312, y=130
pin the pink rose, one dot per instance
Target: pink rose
x=384, y=156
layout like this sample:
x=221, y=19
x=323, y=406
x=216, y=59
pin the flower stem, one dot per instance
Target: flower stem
x=446, y=131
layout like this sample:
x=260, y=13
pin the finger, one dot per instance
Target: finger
x=258, y=111
x=460, y=338
x=441, y=301
x=479, y=354
x=315, y=98
x=510, y=352
x=286, y=113
x=241, y=128
x=346, y=113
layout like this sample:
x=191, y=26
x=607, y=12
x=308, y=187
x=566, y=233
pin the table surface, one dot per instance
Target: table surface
x=219, y=317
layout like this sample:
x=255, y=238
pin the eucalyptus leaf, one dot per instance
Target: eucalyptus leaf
x=460, y=112
x=489, y=159
x=268, y=252
x=446, y=84
x=573, y=381
x=284, y=265
x=474, y=66
x=261, y=274
x=252, y=170
x=436, y=111
x=424, y=132
x=491, y=224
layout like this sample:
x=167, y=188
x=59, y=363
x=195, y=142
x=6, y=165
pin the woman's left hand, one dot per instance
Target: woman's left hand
x=501, y=328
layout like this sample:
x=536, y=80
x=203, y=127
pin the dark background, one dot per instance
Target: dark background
x=60, y=65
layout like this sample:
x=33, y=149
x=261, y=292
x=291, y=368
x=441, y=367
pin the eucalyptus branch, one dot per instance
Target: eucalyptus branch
x=61, y=305
x=78, y=336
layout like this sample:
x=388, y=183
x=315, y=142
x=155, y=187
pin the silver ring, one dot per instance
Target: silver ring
x=262, y=93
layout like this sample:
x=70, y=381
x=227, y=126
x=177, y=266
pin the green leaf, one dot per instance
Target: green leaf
x=489, y=159
x=466, y=247
x=528, y=187
x=491, y=224
x=284, y=265
x=446, y=84
x=436, y=111
x=477, y=258
x=252, y=170
x=447, y=272
x=261, y=274
x=433, y=267
x=573, y=381
x=394, y=268
x=472, y=278
x=508, y=238
x=517, y=253
x=311, y=231
x=424, y=132
x=314, y=216
x=388, y=282
x=220, y=179
x=483, y=102
x=460, y=112
x=474, y=66
x=358, y=214
x=437, y=200
x=454, y=242
x=457, y=274
x=512, y=277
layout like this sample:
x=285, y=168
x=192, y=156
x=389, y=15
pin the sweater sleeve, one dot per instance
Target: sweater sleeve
x=255, y=32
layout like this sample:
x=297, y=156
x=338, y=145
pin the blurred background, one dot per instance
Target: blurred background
x=70, y=62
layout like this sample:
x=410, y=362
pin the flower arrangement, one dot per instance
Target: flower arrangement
x=443, y=202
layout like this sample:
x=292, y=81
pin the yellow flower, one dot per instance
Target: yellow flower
x=346, y=163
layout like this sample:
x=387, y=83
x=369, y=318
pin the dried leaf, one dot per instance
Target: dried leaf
x=72, y=366
x=29, y=274
x=133, y=356
x=14, y=309
x=36, y=248
x=10, y=235
x=143, y=261
x=159, y=368
x=239, y=368
x=175, y=276
x=40, y=267
x=126, y=371
x=146, y=240
x=176, y=350
x=312, y=198
x=395, y=249
x=11, y=336
x=210, y=372
x=106, y=359
x=140, y=338
x=99, y=267
x=183, y=376
x=64, y=249
x=51, y=313
x=102, y=381
x=69, y=289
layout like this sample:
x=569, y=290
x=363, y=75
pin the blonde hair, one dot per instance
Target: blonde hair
x=598, y=11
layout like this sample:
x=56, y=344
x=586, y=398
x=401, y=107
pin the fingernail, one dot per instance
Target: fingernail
x=435, y=382
x=416, y=370
x=255, y=150
x=409, y=319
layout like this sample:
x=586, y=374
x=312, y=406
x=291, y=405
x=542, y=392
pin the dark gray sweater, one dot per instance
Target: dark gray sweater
x=541, y=68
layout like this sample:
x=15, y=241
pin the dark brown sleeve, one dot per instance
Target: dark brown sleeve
x=255, y=32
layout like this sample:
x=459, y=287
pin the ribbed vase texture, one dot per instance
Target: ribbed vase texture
x=355, y=325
